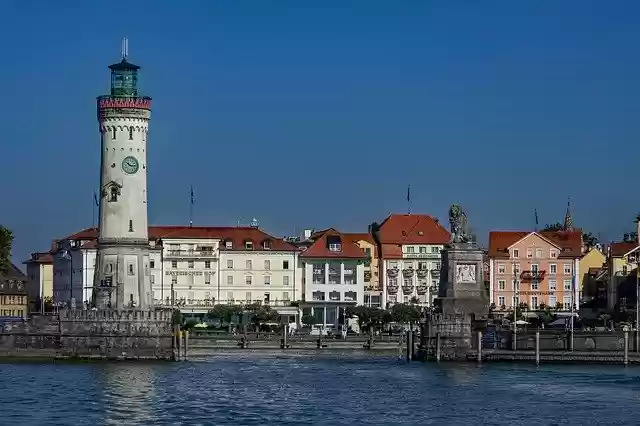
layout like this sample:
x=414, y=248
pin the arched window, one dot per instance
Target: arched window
x=130, y=225
x=113, y=130
x=113, y=194
x=131, y=133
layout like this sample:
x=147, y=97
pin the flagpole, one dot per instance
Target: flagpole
x=409, y=199
x=191, y=207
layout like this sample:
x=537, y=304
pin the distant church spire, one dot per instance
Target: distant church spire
x=568, y=220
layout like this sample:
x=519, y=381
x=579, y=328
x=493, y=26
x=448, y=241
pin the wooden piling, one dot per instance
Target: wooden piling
x=180, y=344
x=408, y=342
x=174, y=345
x=479, y=353
x=186, y=344
x=438, y=347
x=537, y=348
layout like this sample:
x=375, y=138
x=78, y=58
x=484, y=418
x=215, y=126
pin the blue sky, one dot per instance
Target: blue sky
x=320, y=113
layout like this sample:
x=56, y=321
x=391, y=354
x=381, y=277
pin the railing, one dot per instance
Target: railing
x=422, y=289
x=191, y=253
x=408, y=272
x=393, y=272
x=209, y=303
x=532, y=275
x=422, y=273
x=435, y=272
x=392, y=289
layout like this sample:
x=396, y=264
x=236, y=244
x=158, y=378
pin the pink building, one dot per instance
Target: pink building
x=534, y=268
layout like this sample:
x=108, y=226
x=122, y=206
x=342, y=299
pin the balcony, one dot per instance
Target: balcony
x=392, y=289
x=435, y=273
x=372, y=287
x=393, y=272
x=407, y=289
x=190, y=254
x=408, y=272
x=209, y=303
x=532, y=275
x=422, y=289
x=422, y=273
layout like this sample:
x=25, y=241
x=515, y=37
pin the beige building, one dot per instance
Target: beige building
x=13, y=294
x=39, y=278
x=372, y=287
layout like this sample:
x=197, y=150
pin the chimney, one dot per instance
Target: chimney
x=307, y=234
x=54, y=246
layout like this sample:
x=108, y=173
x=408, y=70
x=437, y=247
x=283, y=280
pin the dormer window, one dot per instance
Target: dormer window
x=248, y=245
x=266, y=244
x=228, y=244
x=334, y=243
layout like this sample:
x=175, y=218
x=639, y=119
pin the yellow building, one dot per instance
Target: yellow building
x=13, y=294
x=372, y=288
x=594, y=258
x=39, y=278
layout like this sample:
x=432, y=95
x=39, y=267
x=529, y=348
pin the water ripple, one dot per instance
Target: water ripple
x=266, y=388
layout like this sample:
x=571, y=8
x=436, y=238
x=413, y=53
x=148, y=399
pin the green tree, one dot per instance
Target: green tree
x=225, y=313
x=405, y=314
x=263, y=315
x=308, y=320
x=6, y=242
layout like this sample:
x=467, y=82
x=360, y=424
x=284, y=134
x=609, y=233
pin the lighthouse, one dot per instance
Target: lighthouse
x=122, y=263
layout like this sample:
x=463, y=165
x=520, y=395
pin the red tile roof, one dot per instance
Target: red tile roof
x=44, y=258
x=622, y=248
x=237, y=235
x=569, y=241
x=413, y=229
x=320, y=247
x=360, y=236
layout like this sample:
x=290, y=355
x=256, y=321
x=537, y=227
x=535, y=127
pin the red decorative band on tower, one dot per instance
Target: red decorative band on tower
x=114, y=102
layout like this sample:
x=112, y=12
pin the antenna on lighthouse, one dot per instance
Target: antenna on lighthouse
x=125, y=48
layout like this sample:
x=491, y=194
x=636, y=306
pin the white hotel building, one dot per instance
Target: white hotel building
x=193, y=268
x=410, y=258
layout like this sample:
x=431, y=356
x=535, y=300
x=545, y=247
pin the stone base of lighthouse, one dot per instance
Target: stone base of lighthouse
x=122, y=281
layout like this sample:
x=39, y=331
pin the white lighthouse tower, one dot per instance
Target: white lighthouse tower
x=122, y=266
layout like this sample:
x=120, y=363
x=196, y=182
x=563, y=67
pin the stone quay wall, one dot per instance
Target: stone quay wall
x=101, y=334
x=583, y=341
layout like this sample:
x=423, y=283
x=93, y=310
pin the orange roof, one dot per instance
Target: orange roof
x=44, y=258
x=237, y=235
x=413, y=229
x=320, y=247
x=569, y=241
x=360, y=236
x=622, y=248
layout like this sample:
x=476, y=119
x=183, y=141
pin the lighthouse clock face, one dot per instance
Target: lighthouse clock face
x=130, y=165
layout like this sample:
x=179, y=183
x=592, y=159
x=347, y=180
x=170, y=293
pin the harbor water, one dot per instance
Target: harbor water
x=310, y=388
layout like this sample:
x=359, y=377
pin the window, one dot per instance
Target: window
x=625, y=269
x=539, y=253
x=567, y=269
x=516, y=253
x=552, y=285
x=267, y=280
x=248, y=245
x=266, y=244
x=267, y=265
x=285, y=280
x=435, y=249
x=516, y=285
x=174, y=264
x=152, y=264
x=501, y=301
x=502, y=285
x=247, y=280
x=515, y=268
x=553, y=269
x=567, y=285
x=410, y=250
x=553, y=253
x=230, y=264
x=109, y=268
x=174, y=280
x=318, y=295
x=285, y=296
x=130, y=133
x=247, y=296
x=334, y=296
x=228, y=245
x=350, y=296
x=230, y=280
x=534, y=285
x=249, y=265
x=335, y=247
x=207, y=264
x=190, y=264
x=113, y=133
x=553, y=301
x=152, y=279
x=566, y=303
x=423, y=266
x=534, y=302
x=130, y=268
x=501, y=269
x=285, y=264
x=529, y=253
x=267, y=297
x=130, y=226
x=113, y=194
x=230, y=296
x=423, y=250
x=534, y=268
